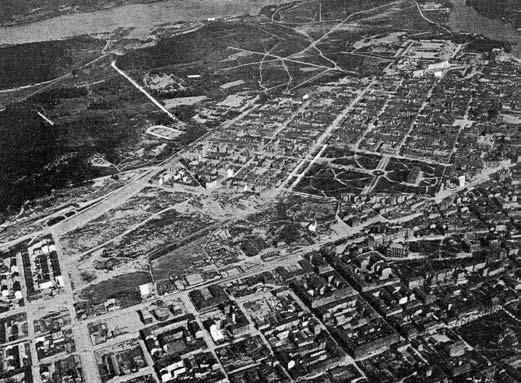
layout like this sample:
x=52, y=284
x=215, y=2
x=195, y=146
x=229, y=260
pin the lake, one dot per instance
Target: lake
x=142, y=16
x=467, y=19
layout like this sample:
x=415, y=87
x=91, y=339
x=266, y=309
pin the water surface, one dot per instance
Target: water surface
x=466, y=19
x=142, y=16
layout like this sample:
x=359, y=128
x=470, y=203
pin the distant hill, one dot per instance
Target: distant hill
x=25, y=11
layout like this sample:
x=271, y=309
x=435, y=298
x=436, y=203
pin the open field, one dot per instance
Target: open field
x=117, y=221
x=124, y=288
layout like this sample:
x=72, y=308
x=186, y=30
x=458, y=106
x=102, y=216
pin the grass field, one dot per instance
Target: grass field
x=122, y=286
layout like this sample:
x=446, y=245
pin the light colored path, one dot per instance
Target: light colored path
x=143, y=90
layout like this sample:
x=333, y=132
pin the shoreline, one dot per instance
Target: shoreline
x=465, y=18
x=74, y=11
x=142, y=17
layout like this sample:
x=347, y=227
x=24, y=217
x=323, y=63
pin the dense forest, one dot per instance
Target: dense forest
x=31, y=63
x=34, y=159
